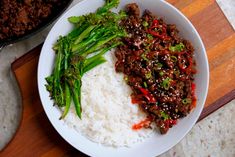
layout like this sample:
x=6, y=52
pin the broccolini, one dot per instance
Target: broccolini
x=96, y=33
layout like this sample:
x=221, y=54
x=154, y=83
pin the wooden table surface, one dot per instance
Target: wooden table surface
x=36, y=136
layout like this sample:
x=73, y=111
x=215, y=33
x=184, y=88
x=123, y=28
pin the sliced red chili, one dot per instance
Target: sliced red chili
x=150, y=98
x=144, y=91
x=173, y=121
x=155, y=23
x=156, y=34
x=144, y=123
x=163, y=35
x=193, y=86
x=148, y=95
x=164, y=30
x=194, y=103
x=182, y=66
x=136, y=99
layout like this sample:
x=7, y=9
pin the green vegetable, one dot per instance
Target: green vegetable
x=166, y=83
x=84, y=34
x=176, y=72
x=54, y=81
x=148, y=75
x=76, y=90
x=145, y=85
x=67, y=101
x=174, y=58
x=149, y=36
x=159, y=65
x=145, y=23
x=164, y=115
x=75, y=19
x=161, y=73
x=76, y=32
x=94, y=64
x=177, y=48
x=187, y=101
x=99, y=44
x=81, y=50
x=109, y=4
x=143, y=56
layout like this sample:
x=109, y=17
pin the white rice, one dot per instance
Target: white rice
x=107, y=111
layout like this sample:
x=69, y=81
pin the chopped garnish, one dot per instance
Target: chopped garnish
x=145, y=23
x=159, y=65
x=176, y=72
x=166, y=83
x=144, y=57
x=148, y=75
x=187, y=101
x=149, y=36
x=164, y=115
x=174, y=58
x=177, y=48
x=161, y=73
x=75, y=19
x=145, y=85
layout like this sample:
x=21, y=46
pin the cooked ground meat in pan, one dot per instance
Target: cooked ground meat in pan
x=17, y=17
x=159, y=67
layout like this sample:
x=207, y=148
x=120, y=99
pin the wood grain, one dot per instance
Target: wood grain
x=36, y=136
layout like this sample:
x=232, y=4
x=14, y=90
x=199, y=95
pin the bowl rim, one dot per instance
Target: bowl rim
x=206, y=88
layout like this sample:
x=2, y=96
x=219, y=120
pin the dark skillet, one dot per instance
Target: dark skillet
x=56, y=13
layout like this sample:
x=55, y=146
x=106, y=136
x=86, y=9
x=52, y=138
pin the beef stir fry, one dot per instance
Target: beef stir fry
x=159, y=67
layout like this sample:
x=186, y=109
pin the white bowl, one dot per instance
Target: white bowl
x=158, y=143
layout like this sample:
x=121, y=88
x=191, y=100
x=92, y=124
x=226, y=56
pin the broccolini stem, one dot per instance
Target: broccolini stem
x=98, y=45
x=77, y=97
x=77, y=31
x=103, y=51
x=84, y=34
x=67, y=101
x=58, y=92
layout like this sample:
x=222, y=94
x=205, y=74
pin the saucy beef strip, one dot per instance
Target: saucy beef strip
x=19, y=16
x=158, y=66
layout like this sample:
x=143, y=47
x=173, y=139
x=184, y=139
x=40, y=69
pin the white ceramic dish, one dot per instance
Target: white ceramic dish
x=156, y=144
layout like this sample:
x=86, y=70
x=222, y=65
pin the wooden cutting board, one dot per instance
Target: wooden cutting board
x=36, y=136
